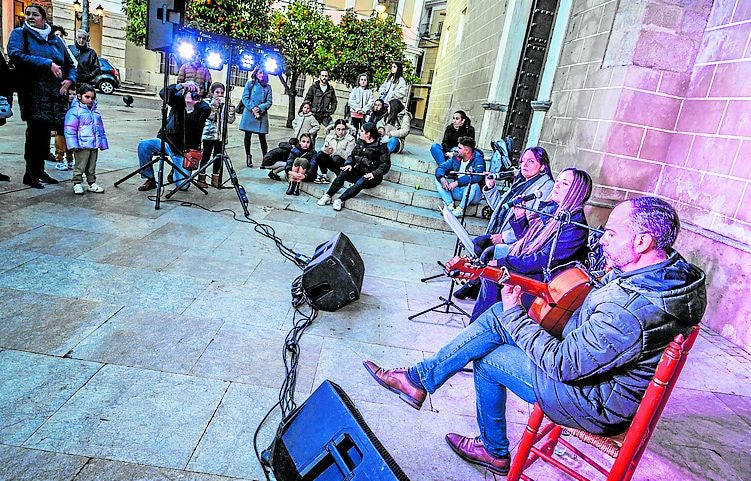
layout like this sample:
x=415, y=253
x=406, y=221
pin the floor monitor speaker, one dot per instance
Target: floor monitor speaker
x=333, y=278
x=327, y=439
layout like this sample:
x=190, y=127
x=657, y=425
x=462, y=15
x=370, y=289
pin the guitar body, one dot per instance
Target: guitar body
x=568, y=290
x=554, y=302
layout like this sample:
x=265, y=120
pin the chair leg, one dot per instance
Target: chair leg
x=525, y=445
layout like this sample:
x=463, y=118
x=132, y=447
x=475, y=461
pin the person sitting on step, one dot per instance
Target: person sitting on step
x=464, y=167
x=534, y=176
x=365, y=168
x=339, y=144
x=592, y=378
x=303, y=151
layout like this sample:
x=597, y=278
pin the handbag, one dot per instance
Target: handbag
x=191, y=159
x=240, y=107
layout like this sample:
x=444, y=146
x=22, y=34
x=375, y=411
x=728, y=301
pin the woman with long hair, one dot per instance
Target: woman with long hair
x=395, y=86
x=395, y=126
x=535, y=232
x=360, y=101
x=460, y=126
x=379, y=112
x=258, y=99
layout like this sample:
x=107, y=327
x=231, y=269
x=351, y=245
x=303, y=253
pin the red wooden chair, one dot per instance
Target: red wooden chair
x=626, y=448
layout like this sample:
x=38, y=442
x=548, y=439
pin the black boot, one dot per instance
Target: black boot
x=32, y=181
x=291, y=188
x=45, y=177
x=4, y=178
x=296, y=190
x=470, y=290
x=249, y=160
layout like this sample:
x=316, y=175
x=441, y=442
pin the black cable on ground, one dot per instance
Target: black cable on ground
x=305, y=314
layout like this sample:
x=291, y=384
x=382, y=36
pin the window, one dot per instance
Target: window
x=300, y=86
x=19, y=13
x=173, y=68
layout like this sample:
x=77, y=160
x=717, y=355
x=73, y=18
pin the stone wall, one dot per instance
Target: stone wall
x=464, y=69
x=651, y=97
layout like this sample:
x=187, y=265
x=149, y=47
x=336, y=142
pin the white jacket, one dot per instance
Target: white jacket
x=304, y=124
x=361, y=99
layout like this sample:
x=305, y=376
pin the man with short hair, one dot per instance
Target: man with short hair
x=463, y=168
x=322, y=97
x=594, y=377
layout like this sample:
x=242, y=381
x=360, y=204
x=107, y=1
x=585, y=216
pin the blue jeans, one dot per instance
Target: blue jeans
x=448, y=197
x=393, y=145
x=147, y=148
x=436, y=151
x=499, y=364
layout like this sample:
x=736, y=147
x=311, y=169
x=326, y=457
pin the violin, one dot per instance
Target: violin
x=554, y=302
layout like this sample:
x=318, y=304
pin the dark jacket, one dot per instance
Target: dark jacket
x=572, y=245
x=323, y=103
x=297, y=153
x=184, y=129
x=278, y=154
x=39, y=95
x=451, y=135
x=88, y=62
x=595, y=377
x=454, y=164
x=373, y=157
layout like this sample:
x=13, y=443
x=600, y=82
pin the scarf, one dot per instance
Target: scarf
x=43, y=32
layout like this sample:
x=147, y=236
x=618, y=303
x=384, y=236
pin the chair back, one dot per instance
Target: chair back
x=655, y=398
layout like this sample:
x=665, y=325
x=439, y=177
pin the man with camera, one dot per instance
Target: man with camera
x=182, y=134
x=457, y=174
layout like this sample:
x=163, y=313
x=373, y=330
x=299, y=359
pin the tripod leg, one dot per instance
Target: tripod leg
x=190, y=179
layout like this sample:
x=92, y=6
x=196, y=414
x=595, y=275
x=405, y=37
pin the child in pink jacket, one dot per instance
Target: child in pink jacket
x=84, y=135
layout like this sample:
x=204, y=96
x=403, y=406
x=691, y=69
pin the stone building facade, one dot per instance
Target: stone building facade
x=652, y=98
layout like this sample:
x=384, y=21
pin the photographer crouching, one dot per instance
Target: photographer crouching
x=182, y=134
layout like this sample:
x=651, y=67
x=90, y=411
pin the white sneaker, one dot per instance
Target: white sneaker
x=78, y=189
x=61, y=166
x=338, y=204
x=458, y=211
x=324, y=200
x=96, y=188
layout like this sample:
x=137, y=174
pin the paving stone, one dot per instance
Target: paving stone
x=139, y=253
x=21, y=464
x=33, y=387
x=48, y=324
x=14, y=258
x=227, y=446
x=134, y=415
x=103, y=469
x=55, y=240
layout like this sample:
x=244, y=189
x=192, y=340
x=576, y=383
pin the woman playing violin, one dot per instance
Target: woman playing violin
x=535, y=233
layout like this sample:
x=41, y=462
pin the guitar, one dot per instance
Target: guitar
x=554, y=302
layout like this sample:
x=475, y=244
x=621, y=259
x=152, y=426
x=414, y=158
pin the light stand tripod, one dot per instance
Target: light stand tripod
x=447, y=303
x=163, y=157
x=239, y=189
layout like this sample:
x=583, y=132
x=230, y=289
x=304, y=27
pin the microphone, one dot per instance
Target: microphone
x=521, y=200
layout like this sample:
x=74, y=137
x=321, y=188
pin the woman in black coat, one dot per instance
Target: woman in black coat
x=460, y=126
x=48, y=72
x=7, y=92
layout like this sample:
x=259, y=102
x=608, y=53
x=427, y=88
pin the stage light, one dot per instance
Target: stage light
x=247, y=60
x=214, y=59
x=272, y=63
x=186, y=50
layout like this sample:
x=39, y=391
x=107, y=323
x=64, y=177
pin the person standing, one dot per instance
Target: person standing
x=48, y=72
x=85, y=136
x=322, y=98
x=360, y=101
x=88, y=61
x=6, y=91
x=195, y=71
x=257, y=98
x=213, y=133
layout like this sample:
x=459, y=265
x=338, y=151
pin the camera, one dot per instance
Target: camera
x=195, y=95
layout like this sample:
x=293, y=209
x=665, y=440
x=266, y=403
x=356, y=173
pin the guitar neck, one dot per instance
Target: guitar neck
x=530, y=286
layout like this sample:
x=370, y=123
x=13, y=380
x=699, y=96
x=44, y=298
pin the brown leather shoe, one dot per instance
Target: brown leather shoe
x=201, y=180
x=472, y=450
x=148, y=185
x=395, y=380
x=216, y=181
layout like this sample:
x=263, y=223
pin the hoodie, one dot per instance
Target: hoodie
x=595, y=376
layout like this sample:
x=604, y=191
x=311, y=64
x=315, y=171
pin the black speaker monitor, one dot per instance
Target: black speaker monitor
x=327, y=439
x=162, y=19
x=333, y=278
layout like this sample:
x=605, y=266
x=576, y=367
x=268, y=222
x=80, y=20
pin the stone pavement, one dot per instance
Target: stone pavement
x=145, y=345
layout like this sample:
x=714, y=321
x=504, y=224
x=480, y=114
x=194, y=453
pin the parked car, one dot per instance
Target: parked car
x=108, y=78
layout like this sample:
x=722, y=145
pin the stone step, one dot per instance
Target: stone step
x=134, y=90
x=404, y=176
x=415, y=161
x=389, y=209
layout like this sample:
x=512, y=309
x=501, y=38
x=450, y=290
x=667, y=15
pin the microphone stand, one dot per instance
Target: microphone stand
x=564, y=218
x=447, y=302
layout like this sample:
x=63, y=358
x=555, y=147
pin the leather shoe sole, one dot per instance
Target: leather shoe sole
x=373, y=370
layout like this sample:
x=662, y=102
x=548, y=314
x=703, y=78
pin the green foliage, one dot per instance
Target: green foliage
x=369, y=46
x=306, y=38
x=242, y=19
